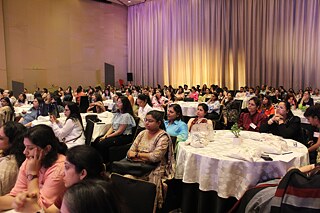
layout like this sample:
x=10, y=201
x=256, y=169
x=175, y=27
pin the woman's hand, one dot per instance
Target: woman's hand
x=53, y=119
x=34, y=162
x=26, y=202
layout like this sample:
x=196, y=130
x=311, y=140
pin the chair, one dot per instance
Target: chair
x=89, y=131
x=188, y=99
x=138, y=195
x=117, y=153
x=207, y=99
x=84, y=104
x=213, y=124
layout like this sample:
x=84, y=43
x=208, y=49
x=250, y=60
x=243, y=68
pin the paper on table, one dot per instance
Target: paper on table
x=245, y=153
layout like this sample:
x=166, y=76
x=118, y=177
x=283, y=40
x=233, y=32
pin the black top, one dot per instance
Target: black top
x=290, y=129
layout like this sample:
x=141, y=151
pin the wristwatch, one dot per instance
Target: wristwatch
x=30, y=177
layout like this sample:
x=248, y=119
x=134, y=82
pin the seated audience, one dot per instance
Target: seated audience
x=6, y=111
x=22, y=100
x=201, y=113
x=313, y=116
x=277, y=97
x=154, y=145
x=82, y=163
x=71, y=132
x=266, y=106
x=230, y=111
x=252, y=120
x=33, y=113
x=174, y=125
x=97, y=105
x=11, y=144
x=180, y=94
x=193, y=94
x=120, y=132
x=306, y=100
x=79, y=93
x=42, y=171
x=241, y=93
x=214, y=106
x=158, y=100
x=144, y=104
x=129, y=96
x=283, y=123
x=206, y=96
x=292, y=101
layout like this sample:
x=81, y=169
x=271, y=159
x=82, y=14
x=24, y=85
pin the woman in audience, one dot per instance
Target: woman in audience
x=174, y=125
x=306, y=100
x=230, y=111
x=202, y=111
x=277, y=97
x=180, y=94
x=292, y=101
x=33, y=113
x=22, y=100
x=71, y=132
x=300, y=94
x=42, y=171
x=214, y=106
x=92, y=196
x=11, y=144
x=283, y=123
x=6, y=111
x=252, y=120
x=207, y=95
x=82, y=163
x=129, y=96
x=152, y=146
x=193, y=94
x=158, y=100
x=144, y=104
x=266, y=106
x=97, y=105
x=107, y=94
x=316, y=92
x=120, y=132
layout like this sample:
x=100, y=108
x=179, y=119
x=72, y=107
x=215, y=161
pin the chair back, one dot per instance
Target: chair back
x=117, y=153
x=89, y=131
x=138, y=195
x=207, y=99
x=188, y=99
x=84, y=104
x=134, y=129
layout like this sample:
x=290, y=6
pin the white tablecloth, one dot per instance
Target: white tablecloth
x=229, y=177
x=109, y=104
x=299, y=113
x=188, y=108
x=100, y=128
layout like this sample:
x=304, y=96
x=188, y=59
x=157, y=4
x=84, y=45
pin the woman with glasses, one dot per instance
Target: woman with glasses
x=283, y=123
x=71, y=132
x=154, y=145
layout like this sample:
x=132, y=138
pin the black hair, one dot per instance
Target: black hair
x=204, y=106
x=74, y=112
x=126, y=106
x=88, y=158
x=15, y=132
x=42, y=136
x=158, y=116
x=178, y=110
x=256, y=100
x=90, y=194
x=6, y=99
x=313, y=111
x=146, y=98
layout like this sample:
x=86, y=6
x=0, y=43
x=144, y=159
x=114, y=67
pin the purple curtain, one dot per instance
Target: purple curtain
x=226, y=42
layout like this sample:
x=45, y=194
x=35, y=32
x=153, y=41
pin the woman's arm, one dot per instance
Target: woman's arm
x=6, y=202
x=314, y=146
x=65, y=130
x=189, y=123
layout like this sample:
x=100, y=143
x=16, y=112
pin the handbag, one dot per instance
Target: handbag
x=137, y=169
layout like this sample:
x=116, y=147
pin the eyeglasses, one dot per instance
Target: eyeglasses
x=149, y=120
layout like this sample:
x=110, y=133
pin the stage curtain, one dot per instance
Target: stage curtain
x=226, y=42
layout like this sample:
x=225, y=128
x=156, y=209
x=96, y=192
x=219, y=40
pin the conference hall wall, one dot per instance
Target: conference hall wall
x=45, y=43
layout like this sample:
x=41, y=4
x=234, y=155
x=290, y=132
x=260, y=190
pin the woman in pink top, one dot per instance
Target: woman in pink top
x=42, y=172
x=194, y=94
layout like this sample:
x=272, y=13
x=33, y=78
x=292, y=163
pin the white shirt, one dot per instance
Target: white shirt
x=69, y=133
x=142, y=112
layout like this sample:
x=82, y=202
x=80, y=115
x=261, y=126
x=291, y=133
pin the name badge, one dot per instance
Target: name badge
x=253, y=126
x=316, y=134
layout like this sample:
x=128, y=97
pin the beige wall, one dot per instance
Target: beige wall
x=63, y=42
x=3, y=70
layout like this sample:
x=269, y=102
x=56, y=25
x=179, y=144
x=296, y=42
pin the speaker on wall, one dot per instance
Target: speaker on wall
x=129, y=76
